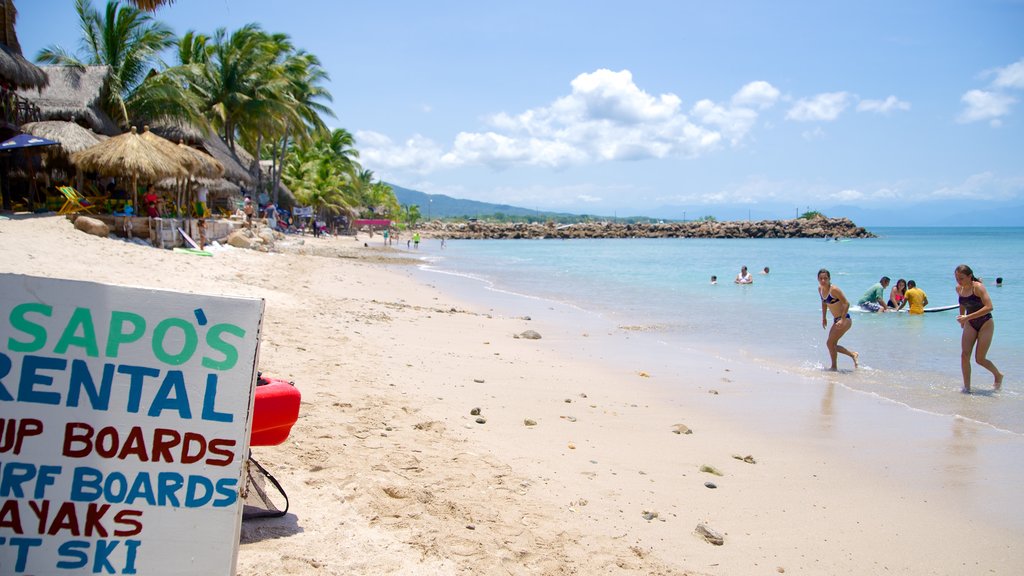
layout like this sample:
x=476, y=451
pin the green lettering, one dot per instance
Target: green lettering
x=80, y=318
x=116, y=336
x=23, y=324
x=214, y=341
x=189, y=341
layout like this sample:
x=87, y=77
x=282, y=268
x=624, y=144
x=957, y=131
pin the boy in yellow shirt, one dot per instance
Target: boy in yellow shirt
x=916, y=298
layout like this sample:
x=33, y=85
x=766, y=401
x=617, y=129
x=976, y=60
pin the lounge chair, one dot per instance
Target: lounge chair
x=74, y=202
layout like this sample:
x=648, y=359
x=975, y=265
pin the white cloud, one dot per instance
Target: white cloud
x=823, y=107
x=759, y=94
x=606, y=117
x=985, y=105
x=847, y=196
x=993, y=103
x=983, y=186
x=588, y=198
x=883, y=106
x=1011, y=76
x=417, y=154
x=811, y=135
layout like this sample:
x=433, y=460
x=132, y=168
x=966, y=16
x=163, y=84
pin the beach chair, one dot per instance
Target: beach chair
x=74, y=202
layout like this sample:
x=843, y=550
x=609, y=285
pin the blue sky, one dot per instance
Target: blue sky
x=658, y=107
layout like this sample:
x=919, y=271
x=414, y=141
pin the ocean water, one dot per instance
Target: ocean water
x=659, y=290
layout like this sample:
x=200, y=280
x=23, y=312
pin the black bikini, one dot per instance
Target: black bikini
x=972, y=304
x=828, y=299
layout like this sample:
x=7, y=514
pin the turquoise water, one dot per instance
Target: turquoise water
x=663, y=286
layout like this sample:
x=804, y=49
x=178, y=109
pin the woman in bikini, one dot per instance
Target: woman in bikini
x=833, y=300
x=896, y=294
x=978, y=326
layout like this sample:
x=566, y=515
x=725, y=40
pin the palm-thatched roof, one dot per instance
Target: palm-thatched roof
x=76, y=95
x=72, y=137
x=14, y=68
x=151, y=5
x=235, y=167
x=187, y=161
x=214, y=185
x=128, y=155
x=209, y=167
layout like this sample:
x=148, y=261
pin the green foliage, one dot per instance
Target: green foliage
x=811, y=215
x=708, y=218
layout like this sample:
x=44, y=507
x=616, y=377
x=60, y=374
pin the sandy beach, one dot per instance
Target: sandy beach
x=388, y=472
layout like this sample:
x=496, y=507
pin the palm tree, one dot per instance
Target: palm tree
x=150, y=5
x=124, y=38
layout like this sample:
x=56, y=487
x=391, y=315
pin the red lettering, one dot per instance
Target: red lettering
x=10, y=516
x=215, y=447
x=13, y=434
x=128, y=518
x=134, y=445
x=66, y=519
x=191, y=437
x=42, y=512
x=107, y=442
x=163, y=440
x=93, y=515
x=77, y=433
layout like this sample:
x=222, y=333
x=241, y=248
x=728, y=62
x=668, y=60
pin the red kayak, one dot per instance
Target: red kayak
x=275, y=411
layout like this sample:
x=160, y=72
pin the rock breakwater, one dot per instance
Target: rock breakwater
x=794, y=228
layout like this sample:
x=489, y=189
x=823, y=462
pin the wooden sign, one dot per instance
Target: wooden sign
x=124, y=427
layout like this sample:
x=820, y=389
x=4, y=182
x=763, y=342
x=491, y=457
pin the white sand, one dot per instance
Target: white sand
x=388, y=472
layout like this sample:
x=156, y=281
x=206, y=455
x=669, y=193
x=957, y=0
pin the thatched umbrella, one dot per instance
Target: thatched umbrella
x=129, y=155
x=210, y=167
x=72, y=137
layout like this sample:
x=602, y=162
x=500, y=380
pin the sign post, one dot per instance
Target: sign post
x=124, y=427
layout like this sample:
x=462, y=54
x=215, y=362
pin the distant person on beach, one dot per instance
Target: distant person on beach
x=834, y=301
x=202, y=193
x=416, y=240
x=744, y=277
x=896, y=294
x=151, y=202
x=999, y=282
x=247, y=209
x=270, y=212
x=765, y=271
x=387, y=236
x=872, y=300
x=714, y=279
x=977, y=323
x=915, y=298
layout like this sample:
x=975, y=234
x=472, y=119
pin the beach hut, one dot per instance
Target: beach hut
x=15, y=72
x=75, y=95
x=70, y=136
x=132, y=156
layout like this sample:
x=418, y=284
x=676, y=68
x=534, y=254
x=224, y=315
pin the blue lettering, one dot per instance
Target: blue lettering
x=141, y=488
x=100, y=562
x=76, y=550
x=170, y=483
x=81, y=378
x=209, y=399
x=173, y=382
x=86, y=484
x=30, y=366
x=5, y=369
x=228, y=488
x=23, y=545
x=138, y=374
x=193, y=499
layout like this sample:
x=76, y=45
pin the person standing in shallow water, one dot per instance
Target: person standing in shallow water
x=977, y=324
x=833, y=300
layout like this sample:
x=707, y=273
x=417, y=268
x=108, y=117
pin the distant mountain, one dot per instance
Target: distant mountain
x=933, y=213
x=441, y=206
